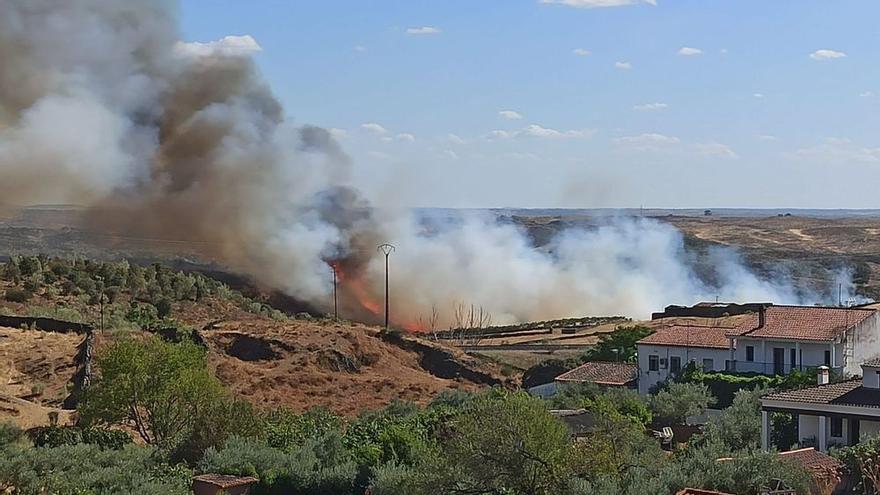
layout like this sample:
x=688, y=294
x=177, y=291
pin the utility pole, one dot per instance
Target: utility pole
x=335, y=300
x=386, y=249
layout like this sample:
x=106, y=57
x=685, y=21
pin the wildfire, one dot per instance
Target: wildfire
x=353, y=287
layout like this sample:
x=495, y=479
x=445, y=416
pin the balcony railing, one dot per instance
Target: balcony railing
x=772, y=368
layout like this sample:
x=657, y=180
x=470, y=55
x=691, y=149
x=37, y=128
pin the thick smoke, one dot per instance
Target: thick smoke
x=102, y=106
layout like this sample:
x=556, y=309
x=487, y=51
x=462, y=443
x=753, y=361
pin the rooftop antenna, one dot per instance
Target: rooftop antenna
x=839, y=295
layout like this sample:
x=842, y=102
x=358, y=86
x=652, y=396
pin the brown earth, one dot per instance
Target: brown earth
x=36, y=373
x=345, y=367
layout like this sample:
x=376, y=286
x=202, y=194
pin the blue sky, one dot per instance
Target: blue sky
x=683, y=103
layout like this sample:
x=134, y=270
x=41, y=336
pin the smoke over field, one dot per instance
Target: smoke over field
x=102, y=105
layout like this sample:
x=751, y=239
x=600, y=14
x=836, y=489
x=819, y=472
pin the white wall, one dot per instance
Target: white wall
x=808, y=429
x=861, y=343
x=870, y=376
x=809, y=354
x=647, y=379
x=868, y=429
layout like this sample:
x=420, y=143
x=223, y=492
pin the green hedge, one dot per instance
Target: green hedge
x=725, y=385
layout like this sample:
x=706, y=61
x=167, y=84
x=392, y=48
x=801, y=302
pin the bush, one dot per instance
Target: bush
x=17, y=295
x=88, y=469
x=678, y=401
x=57, y=436
x=321, y=466
x=9, y=433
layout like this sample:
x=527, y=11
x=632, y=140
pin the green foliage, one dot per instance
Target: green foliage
x=677, y=401
x=286, y=430
x=9, y=433
x=166, y=392
x=862, y=462
x=56, y=436
x=18, y=295
x=738, y=427
x=504, y=443
x=119, y=282
x=724, y=385
x=320, y=466
x=88, y=469
x=619, y=345
x=628, y=403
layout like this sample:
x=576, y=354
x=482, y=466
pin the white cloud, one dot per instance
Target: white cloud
x=455, y=139
x=839, y=150
x=360, y=48
x=535, y=130
x=374, y=128
x=510, y=115
x=868, y=94
x=723, y=51
x=758, y=95
x=650, y=107
x=767, y=137
x=714, y=149
x=230, y=46
x=582, y=52
x=826, y=55
x=687, y=51
x=592, y=4
x=417, y=31
x=451, y=154
x=623, y=65
x=647, y=140
x=405, y=136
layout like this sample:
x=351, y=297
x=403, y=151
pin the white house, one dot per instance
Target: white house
x=777, y=339
x=830, y=414
x=670, y=348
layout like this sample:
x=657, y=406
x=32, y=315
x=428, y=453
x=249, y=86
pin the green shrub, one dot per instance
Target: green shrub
x=89, y=469
x=57, y=436
x=18, y=295
x=9, y=433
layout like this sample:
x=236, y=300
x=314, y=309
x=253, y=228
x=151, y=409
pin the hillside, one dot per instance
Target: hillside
x=260, y=354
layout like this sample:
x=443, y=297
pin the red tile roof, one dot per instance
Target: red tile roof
x=802, y=323
x=846, y=393
x=602, y=373
x=689, y=336
x=812, y=459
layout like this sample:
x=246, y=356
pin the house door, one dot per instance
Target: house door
x=853, y=431
x=778, y=361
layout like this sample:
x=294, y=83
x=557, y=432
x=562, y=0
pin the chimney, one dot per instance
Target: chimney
x=823, y=376
x=761, y=316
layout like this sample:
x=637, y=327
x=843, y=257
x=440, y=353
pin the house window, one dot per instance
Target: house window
x=674, y=364
x=750, y=353
x=654, y=363
x=836, y=427
x=708, y=364
x=827, y=358
x=793, y=358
